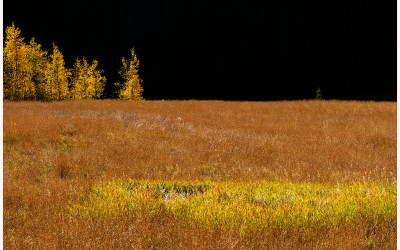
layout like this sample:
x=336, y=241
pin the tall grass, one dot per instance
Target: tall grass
x=246, y=206
x=336, y=162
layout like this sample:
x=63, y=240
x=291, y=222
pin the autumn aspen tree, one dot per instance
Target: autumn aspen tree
x=78, y=83
x=39, y=62
x=87, y=81
x=17, y=82
x=131, y=88
x=97, y=82
x=57, y=77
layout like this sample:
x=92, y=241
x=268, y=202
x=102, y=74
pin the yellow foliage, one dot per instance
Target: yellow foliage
x=87, y=82
x=18, y=84
x=38, y=62
x=131, y=88
x=57, y=76
x=29, y=73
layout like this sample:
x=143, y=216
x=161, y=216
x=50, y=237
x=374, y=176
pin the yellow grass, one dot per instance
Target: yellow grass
x=56, y=154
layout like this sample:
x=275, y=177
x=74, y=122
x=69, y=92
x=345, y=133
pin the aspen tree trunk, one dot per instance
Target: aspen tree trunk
x=131, y=97
x=15, y=78
x=58, y=86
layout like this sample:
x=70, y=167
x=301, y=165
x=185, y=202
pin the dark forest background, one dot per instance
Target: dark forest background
x=230, y=50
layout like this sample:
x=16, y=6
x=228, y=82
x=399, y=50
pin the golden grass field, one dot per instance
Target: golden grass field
x=104, y=174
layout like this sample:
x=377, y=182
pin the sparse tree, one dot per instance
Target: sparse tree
x=318, y=94
x=131, y=88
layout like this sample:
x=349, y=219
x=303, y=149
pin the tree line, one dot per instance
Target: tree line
x=31, y=73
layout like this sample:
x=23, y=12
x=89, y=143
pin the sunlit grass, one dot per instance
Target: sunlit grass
x=219, y=175
x=245, y=206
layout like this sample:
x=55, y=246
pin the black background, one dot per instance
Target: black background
x=230, y=50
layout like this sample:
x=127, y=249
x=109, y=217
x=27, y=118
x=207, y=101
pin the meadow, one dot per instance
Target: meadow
x=200, y=175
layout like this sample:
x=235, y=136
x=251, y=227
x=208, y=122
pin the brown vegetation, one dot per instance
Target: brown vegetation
x=53, y=152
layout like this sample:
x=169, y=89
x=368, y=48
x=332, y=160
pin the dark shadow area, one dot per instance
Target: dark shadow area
x=229, y=50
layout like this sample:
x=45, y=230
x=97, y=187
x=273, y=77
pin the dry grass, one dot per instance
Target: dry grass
x=55, y=152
